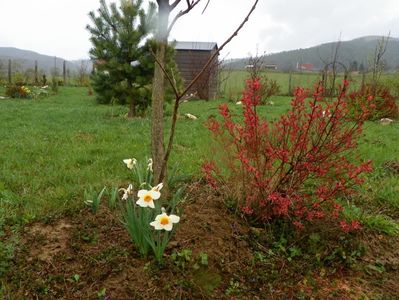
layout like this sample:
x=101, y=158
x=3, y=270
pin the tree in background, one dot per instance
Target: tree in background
x=121, y=54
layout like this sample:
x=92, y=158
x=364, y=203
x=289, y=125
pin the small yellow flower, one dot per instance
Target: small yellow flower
x=146, y=198
x=130, y=162
x=165, y=222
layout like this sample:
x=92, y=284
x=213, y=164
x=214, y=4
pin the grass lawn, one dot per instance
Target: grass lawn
x=52, y=149
x=233, y=82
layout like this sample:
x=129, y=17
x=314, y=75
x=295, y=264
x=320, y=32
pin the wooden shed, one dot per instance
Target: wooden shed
x=191, y=58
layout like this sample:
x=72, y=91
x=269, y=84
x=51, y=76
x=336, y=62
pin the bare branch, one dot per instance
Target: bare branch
x=206, y=6
x=174, y=4
x=171, y=81
x=190, y=6
x=377, y=60
x=177, y=100
x=216, y=53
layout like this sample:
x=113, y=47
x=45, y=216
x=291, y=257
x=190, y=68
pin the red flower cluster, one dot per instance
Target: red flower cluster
x=293, y=168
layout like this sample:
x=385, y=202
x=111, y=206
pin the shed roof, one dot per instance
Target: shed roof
x=201, y=46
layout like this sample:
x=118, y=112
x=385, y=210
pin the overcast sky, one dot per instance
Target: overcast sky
x=57, y=27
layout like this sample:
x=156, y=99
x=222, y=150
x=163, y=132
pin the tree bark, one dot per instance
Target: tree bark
x=158, y=91
x=132, y=109
x=132, y=103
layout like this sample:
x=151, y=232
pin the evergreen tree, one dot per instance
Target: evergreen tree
x=121, y=53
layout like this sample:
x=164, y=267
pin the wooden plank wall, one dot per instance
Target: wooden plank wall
x=190, y=63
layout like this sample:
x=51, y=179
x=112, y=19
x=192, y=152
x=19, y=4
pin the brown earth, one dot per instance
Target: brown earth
x=86, y=256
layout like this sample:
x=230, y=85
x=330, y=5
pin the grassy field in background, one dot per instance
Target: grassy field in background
x=232, y=82
x=52, y=149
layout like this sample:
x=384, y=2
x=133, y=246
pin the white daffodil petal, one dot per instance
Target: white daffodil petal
x=141, y=193
x=159, y=217
x=151, y=204
x=156, y=225
x=158, y=187
x=168, y=227
x=130, y=162
x=174, y=218
x=155, y=194
x=142, y=203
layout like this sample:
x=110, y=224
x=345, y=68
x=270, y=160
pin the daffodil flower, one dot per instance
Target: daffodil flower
x=146, y=198
x=165, y=222
x=127, y=192
x=130, y=162
x=158, y=187
x=150, y=162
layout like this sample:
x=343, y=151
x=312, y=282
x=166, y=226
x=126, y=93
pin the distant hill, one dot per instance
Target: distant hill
x=23, y=60
x=357, y=51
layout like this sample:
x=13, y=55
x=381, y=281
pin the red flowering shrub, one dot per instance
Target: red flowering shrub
x=294, y=168
x=377, y=99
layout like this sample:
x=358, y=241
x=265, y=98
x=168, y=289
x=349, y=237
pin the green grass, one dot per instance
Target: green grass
x=233, y=82
x=53, y=149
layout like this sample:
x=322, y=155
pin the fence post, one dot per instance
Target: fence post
x=363, y=79
x=36, y=74
x=64, y=72
x=9, y=71
x=290, y=84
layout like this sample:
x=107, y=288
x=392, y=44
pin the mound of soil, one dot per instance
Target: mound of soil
x=86, y=256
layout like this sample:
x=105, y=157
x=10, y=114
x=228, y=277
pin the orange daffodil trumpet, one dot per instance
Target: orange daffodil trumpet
x=165, y=222
x=130, y=162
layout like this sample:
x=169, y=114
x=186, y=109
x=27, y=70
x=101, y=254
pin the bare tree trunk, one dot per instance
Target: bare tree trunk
x=132, y=109
x=132, y=103
x=158, y=92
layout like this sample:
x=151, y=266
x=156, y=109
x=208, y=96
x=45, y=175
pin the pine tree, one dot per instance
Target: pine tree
x=121, y=53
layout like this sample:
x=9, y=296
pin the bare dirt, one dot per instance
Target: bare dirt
x=86, y=256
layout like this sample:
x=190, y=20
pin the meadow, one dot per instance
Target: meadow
x=233, y=81
x=53, y=149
